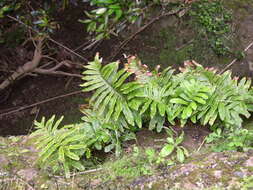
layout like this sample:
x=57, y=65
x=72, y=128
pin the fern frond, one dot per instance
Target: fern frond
x=59, y=146
x=110, y=96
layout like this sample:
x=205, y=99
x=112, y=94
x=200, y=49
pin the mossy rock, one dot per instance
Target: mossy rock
x=227, y=170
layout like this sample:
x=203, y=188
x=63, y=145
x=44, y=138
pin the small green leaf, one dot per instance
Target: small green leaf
x=71, y=155
x=202, y=95
x=180, y=155
x=161, y=108
x=193, y=105
x=100, y=11
x=178, y=101
x=180, y=139
x=187, y=112
x=167, y=150
x=170, y=140
x=222, y=111
x=153, y=109
x=145, y=106
x=108, y=148
x=199, y=100
x=194, y=118
x=77, y=165
x=66, y=169
x=61, y=154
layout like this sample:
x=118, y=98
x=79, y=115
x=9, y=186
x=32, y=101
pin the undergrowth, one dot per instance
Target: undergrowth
x=126, y=99
x=214, y=24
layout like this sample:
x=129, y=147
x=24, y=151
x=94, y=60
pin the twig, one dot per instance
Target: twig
x=233, y=62
x=35, y=118
x=27, y=67
x=203, y=142
x=40, y=102
x=51, y=58
x=184, y=45
x=91, y=45
x=49, y=38
x=81, y=173
x=125, y=42
x=17, y=178
x=82, y=45
x=49, y=72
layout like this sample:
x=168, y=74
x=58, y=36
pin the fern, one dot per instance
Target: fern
x=60, y=148
x=188, y=99
x=121, y=103
x=228, y=98
x=110, y=96
x=228, y=101
x=105, y=135
x=152, y=97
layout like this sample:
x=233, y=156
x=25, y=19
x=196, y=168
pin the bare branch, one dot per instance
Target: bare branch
x=236, y=59
x=52, y=72
x=27, y=67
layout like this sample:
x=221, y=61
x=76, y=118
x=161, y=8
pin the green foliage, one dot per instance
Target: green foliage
x=173, y=145
x=121, y=103
x=151, y=99
x=214, y=20
x=64, y=147
x=104, y=135
x=196, y=94
x=111, y=93
x=137, y=163
x=112, y=16
x=43, y=22
x=109, y=13
x=8, y=6
x=130, y=166
x=60, y=148
x=228, y=98
x=247, y=183
x=188, y=99
x=238, y=140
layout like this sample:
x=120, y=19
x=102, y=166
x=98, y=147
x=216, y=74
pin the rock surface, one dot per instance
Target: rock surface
x=227, y=170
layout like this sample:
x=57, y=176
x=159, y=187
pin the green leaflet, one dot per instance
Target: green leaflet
x=167, y=150
x=61, y=155
x=145, y=106
x=76, y=165
x=202, y=95
x=153, y=109
x=128, y=114
x=161, y=108
x=194, y=118
x=222, y=111
x=178, y=101
x=187, y=112
x=180, y=155
x=180, y=139
x=136, y=103
x=199, y=100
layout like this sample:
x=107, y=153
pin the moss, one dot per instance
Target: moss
x=241, y=8
x=170, y=43
x=169, y=53
x=241, y=4
x=14, y=37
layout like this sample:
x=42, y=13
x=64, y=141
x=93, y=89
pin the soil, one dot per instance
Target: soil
x=165, y=43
